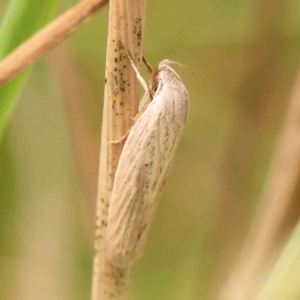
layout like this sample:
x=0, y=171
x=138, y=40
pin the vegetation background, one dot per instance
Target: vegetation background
x=245, y=55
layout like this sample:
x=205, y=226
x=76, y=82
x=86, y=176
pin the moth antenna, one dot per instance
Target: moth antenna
x=150, y=69
x=138, y=74
x=172, y=70
x=169, y=62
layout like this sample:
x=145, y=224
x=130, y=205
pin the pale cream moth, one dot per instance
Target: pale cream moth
x=144, y=164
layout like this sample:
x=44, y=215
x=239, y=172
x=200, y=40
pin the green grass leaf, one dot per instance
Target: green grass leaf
x=22, y=19
x=283, y=283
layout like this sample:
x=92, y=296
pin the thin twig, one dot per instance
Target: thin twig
x=47, y=38
x=283, y=182
x=126, y=29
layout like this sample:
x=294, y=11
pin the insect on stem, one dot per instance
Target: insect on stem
x=144, y=164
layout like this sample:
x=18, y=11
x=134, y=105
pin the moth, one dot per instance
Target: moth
x=144, y=163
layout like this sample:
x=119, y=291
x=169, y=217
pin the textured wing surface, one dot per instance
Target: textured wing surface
x=142, y=169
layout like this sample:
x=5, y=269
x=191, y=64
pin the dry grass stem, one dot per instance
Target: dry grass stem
x=47, y=38
x=83, y=137
x=126, y=29
x=280, y=190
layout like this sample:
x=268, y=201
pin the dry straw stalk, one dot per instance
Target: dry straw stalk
x=47, y=38
x=126, y=28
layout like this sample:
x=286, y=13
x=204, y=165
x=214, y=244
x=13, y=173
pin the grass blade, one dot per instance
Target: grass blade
x=22, y=19
x=283, y=283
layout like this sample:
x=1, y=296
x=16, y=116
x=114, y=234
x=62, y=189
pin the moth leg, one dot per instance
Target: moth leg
x=150, y=69
x=138, y=74
x=122, y=138
x=142, y=109
x=135, y=118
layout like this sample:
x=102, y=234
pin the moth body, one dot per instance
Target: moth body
x=144, y=165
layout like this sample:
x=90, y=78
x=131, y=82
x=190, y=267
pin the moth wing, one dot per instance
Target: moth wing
x=169, y=142
x=142, y=169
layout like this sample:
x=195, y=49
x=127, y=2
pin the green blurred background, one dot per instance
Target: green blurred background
x=245, y=55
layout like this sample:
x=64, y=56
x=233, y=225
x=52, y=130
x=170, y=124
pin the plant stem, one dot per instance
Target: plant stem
x=126, y=28
x=258, y=255
x=84, y=138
